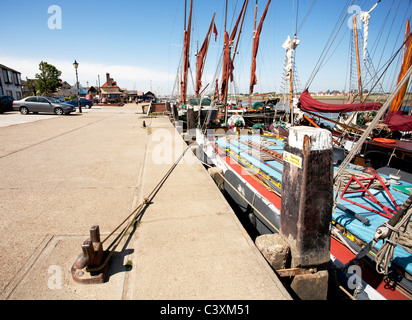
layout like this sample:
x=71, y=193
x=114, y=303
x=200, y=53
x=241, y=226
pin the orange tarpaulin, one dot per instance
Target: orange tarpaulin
x=406, y=63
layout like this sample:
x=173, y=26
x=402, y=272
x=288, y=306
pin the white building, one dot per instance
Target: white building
x=10, y=83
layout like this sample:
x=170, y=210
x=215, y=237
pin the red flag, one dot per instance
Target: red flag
x=215, y=31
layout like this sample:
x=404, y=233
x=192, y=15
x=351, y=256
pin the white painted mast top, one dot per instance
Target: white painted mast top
x=364, y=16
x=290, y=46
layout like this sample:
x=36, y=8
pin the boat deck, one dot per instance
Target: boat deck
x=267, y=170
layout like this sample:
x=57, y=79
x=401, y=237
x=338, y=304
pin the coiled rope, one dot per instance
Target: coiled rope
x=346, y=175
x=399, y=236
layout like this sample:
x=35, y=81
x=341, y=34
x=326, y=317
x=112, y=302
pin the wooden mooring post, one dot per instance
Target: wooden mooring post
x=306, y=212
x=191, y=120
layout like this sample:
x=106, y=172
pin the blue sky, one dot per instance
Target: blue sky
x=140, y=42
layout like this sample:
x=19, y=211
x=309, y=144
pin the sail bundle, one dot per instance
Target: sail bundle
x=253, y=78
x=307, y=103
x=186, y=55
x=227, y=61
x=201, y=56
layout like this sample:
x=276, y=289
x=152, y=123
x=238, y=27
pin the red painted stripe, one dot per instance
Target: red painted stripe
x=272, y=197
x=344, y=255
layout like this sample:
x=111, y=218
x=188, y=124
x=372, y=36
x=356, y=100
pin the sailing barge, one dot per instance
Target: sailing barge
x=365, y=203
x=252, y=167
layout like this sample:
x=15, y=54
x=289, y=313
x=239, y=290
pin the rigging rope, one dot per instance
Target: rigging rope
x=305, y=17
x=325, y=49
x=243, y=197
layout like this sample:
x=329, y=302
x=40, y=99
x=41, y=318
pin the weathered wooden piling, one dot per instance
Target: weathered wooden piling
x=307, y=200
x=175, y=113
x=191, y=120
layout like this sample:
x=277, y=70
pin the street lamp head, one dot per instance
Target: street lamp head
x=75, y=64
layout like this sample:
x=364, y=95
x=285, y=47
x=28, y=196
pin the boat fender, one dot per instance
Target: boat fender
x=384, y=140
x=236, y=121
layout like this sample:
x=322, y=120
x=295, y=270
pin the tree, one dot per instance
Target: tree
x=48, y=80
x=31, y=86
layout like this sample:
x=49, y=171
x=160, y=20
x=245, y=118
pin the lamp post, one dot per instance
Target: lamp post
x=76, y=65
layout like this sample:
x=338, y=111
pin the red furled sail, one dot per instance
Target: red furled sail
x=397, y=121
x=226, y=58
x=186, y=55
x=201, y=57
x=307, y=103
x=253, y=78
x=227, y=65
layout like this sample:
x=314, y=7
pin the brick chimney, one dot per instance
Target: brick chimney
x=108, y=80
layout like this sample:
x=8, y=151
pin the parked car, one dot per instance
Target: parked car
x=42, y=104
x=6, y=104
x=61, y=98
x=83, y=102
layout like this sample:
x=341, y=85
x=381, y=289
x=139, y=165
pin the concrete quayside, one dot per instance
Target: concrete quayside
x=63, y=175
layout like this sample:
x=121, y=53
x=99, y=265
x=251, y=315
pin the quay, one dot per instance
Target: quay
x=61, y=175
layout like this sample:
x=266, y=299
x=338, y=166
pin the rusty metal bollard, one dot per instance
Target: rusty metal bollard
x=91, y=257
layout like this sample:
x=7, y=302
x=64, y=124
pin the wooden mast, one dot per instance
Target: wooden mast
x=291, y=95
x=186, y=53
x=201, y=58
x=227, y=61
x=355, y=30
x=256, y=36
x=251, y=67
x=225, y=71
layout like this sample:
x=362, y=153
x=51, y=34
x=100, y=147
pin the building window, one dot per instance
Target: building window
x=1, y=90
x=5, y=76
x=18, y=95
x=9, y=93
x=10, y=76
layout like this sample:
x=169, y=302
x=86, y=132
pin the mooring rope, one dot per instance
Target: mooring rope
x=138, y=213
x=243, y=197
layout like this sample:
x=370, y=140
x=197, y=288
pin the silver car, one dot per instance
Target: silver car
x=42, y=104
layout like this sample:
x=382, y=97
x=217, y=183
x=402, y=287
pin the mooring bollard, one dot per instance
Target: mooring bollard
x=307, y=201
x=91, y=257
x=191, y=120
x=175, y=113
